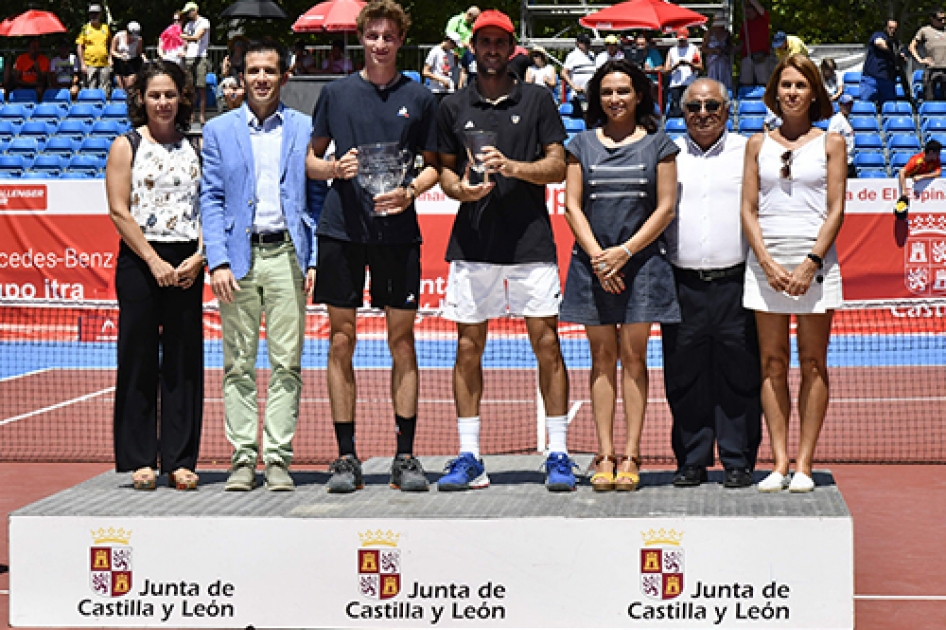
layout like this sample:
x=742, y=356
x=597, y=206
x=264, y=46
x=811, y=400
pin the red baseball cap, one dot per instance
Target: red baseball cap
x=492, y=17
x=683, y=33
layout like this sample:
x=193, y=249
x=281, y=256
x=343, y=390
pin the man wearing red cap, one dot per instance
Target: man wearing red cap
x=683, y=65
x=501, y=251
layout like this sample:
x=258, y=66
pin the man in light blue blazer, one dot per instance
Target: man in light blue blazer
x=259, y=215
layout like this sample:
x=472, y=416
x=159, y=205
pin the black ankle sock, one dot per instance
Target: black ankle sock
x=345, y=436
x=404, y=428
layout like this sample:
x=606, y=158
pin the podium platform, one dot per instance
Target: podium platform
x=514, y=555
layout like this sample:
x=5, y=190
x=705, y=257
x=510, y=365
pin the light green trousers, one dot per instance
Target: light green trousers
x=274, y=285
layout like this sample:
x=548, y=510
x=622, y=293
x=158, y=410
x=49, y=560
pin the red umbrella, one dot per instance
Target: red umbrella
x=333, y=16
x=650, y=14
x=32, y=23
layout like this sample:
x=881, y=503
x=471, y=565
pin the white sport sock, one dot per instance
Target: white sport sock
x=469, y=429
x=558, y=433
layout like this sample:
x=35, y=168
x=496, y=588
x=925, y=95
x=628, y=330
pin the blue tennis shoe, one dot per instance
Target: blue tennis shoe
x=558, y=473
x=466, y=472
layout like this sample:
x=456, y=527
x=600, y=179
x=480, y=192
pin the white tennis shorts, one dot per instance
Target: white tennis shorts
x=477, y=292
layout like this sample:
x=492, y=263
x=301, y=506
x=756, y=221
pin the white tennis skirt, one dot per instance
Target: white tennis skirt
x=791, y=252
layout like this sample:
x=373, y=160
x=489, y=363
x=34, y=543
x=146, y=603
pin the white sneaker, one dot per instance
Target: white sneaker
x=775, y=482
x=801, y=483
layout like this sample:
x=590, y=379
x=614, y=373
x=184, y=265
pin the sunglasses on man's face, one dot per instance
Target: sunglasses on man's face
x=695, y=107
x=786, y=171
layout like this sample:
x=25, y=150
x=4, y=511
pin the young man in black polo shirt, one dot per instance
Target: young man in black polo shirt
x=502, y=235
x=381, y=233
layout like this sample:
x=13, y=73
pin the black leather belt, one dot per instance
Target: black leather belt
x=708, y=275
x=268, y=238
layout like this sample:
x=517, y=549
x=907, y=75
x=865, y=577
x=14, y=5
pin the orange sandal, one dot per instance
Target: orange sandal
x=603, y=481
x=144, y=479
x=183, y=479
x=627, y=480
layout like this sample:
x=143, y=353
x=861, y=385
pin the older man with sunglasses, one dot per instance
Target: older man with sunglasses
x=711, y=358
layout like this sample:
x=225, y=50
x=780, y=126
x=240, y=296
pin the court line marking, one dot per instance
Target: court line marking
x=912, y=598
x=60, y=405
x=24, y=374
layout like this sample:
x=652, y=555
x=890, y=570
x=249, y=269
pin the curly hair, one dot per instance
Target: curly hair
x=643, y=113
x=383, y=10
x=137, y=113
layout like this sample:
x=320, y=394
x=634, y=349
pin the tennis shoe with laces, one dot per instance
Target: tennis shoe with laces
x=558, y=473
x=346, y=475
x=407, y=474
x=466, y=472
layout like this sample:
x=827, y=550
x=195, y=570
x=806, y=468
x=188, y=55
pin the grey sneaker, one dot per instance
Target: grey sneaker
x=277, y=478
x=346, y=475
x=242, y=478
x=408, y=474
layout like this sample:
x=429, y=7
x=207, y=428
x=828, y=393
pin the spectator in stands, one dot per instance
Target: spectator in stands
x=232, y=92
x=196, y=36
x=646, y=55
x=337, y=61
x=152, y=180
x=127, y=53
x=541, y=72
x=519, y=62
x=379, y=233
x=683, y=65
x=829, y=77
x=440, y=67
x=839, y=124
x=786, y=45
x=467, y=67
x=881, y=66
x=259, y=213
x=31, y=70
x=757, y=60
x=501, y=250
x=170, y=45
x=233, y=64
x=611, y=51
x=924, y=165
x=711, y=358
x=64, y=69
x=933, y=39
x=717, y=51
x=577, y=70
x=301, y=61
x=619, y=281
x=461, y=25
x=792, y=207
x=92, y=46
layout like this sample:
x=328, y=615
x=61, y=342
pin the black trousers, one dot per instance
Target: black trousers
x=160, y=348
x=712, y=374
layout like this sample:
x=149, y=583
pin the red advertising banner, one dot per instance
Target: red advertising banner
x=67, y=250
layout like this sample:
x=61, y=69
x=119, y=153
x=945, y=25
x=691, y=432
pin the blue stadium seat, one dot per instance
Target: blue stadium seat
x=905, y=141
x=852, y=77
x=39, y=130
x=118, y=95
x=868, y=141
x=821, y=124
x=939, y=137
x=211, y=89
x=676, y=135
x=413, y=75
x=566, y=109
x=751, y=92
x=573, y=125
x=26, y=147
x=115, y=111
x=853, y=90
x=899, y=92
x=3, y=145
x=751, y=124
x=88, y=164
x=24, y=96
x=97, y=146
x=751, y=108
x=15, y=113
x=675, y=125
x=75, y=128
x=898, y=159
x=870, y=159
x=13, y=165
x=51, y=112
x=891, y=108
x=8, y=129
x=84, y=111
x=53, y=164
x=933, y=123
x=93, y=96
x=932, y=108
x=896, y=124
x=863, y=108
x=60, y=97
x=60, y=145
x=872, y=173
x=34, y=174
x=864, y=123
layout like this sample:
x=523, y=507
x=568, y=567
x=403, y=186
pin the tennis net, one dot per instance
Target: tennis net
x=57, y=375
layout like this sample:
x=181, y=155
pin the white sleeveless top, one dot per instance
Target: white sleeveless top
x=165, y=181
x=796, y=206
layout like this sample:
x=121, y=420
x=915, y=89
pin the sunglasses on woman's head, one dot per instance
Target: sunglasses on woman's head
x=695, y=107
x=786, y=171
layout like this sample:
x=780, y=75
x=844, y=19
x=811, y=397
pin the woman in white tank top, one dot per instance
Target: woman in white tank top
x=792, y=208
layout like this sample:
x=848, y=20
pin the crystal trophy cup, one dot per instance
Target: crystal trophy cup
x=476, y=141
x=382, y=167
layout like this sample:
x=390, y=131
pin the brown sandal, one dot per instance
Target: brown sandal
x=626, y=480
x=183, y=479
x=603, y=481
x=144, y=479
